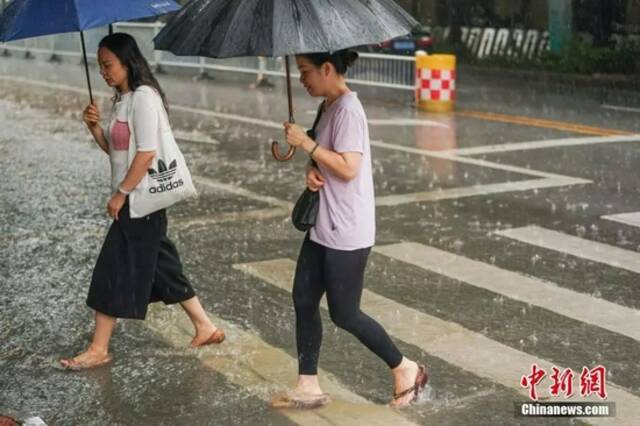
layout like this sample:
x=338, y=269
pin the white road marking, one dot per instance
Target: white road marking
x=476, y=190
x=260, y=214
x=236, y=190
x=631, y=219
x=575, y=246
x=544, y=144
x=544, y=294
x=620, y=108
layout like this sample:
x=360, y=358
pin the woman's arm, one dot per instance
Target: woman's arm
x=91, y=117
x=344, y=165
x=138, y=169
x=101, y=140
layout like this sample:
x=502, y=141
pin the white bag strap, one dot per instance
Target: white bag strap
x=132, y=138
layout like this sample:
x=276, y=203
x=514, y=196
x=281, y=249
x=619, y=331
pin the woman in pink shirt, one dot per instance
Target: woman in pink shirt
x=334, y=253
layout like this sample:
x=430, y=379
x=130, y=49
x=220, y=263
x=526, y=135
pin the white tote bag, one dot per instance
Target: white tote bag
x=168, y=179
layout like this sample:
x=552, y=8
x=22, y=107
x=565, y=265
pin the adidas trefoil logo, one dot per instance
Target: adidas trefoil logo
x=163, y=176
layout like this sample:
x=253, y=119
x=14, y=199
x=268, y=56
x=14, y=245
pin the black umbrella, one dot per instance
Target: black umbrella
x=235, y=28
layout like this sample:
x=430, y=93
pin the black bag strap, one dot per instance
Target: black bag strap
x=312, y=132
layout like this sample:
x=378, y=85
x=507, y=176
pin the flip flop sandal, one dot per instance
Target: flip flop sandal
x=420, y=382
x=71, y=365
x=300, y=401
x=216, y=338
x=8, y=421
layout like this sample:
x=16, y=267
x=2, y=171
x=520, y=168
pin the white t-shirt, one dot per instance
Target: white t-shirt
x=145, y=123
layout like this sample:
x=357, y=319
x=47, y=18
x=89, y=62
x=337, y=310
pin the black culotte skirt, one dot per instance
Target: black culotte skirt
x=137, y=265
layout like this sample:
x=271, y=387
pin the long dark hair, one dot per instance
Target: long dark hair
x=341, y=59
x=138, y=71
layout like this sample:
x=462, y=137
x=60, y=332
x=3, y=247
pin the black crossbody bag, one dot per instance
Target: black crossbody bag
x=305, y=211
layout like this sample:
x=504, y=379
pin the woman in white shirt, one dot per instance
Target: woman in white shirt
x=138, y=264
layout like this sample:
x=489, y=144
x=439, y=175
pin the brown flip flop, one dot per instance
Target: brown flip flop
x=71, y=365
x=300, y=401
x=421, y=381
x=8, y=421
x=216, y=338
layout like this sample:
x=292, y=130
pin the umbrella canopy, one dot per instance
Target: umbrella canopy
x=233, y=28
x=33, y=18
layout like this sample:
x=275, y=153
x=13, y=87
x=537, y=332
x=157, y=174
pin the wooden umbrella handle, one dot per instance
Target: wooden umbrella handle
x=275, y=150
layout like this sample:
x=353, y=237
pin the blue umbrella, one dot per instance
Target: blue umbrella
x=33, y=18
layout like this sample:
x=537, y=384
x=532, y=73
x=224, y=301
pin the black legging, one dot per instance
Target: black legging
x=340, y=274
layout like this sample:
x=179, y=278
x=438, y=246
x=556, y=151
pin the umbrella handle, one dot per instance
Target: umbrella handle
x=275, y=150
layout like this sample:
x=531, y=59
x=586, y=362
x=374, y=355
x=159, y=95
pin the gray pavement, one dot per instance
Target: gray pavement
x=465, y=275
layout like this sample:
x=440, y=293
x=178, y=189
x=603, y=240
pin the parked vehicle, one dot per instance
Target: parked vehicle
x=419, y=39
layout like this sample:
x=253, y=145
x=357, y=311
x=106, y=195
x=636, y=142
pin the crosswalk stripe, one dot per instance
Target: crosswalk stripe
x=259, y=214
x=575, y=246
x=544, y=294
x=631, y=219
x=236, y=190
x=404, y=122
x=620, y=108
x=246, y=360
x=475, y=190
x=194, y=137
x=449, y=341
x=469, y=160
x=544, y=144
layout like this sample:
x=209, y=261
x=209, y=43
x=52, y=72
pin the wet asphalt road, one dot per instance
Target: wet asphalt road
x=236, y=241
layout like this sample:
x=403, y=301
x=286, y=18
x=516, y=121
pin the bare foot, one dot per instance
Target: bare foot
x=306, y=395
x=208, y=335
x=90, y=358
x=405, y=378
x=301, y=401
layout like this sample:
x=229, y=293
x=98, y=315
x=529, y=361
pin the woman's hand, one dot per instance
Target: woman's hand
x=295, y=134
x=315, y=180
x=91, y=116
x=115, y=204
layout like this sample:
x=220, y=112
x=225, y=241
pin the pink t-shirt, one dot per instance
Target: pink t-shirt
x=346, y=215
